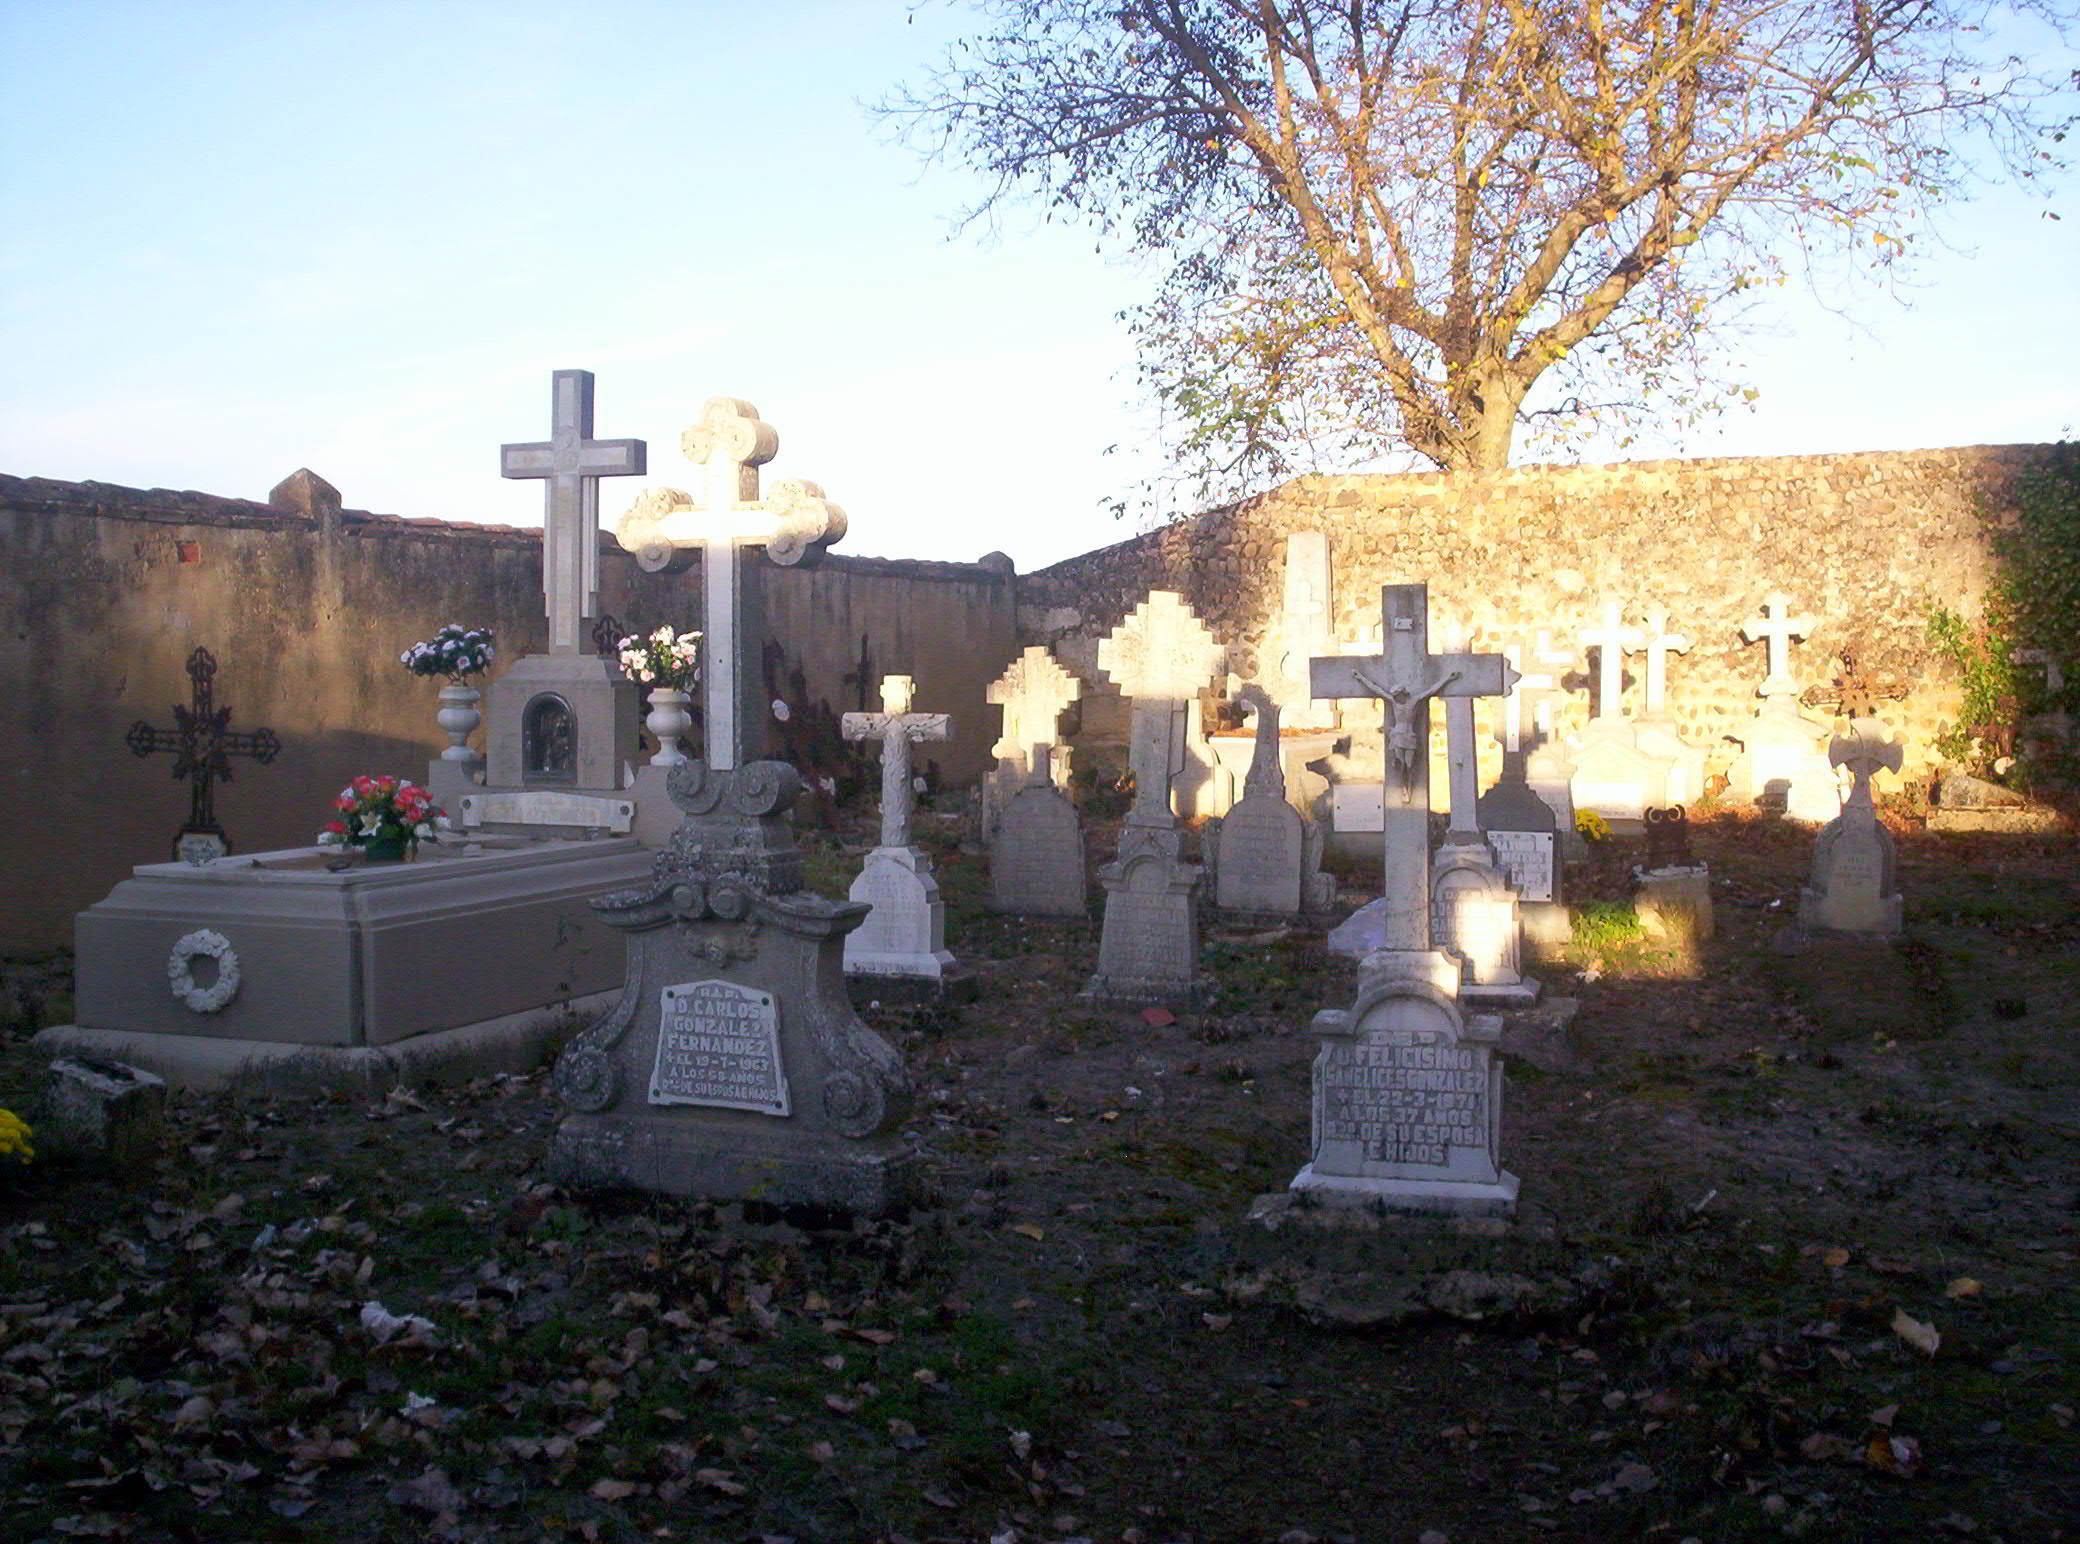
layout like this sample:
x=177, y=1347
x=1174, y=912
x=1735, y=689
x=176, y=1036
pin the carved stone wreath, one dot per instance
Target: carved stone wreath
x=198, y=999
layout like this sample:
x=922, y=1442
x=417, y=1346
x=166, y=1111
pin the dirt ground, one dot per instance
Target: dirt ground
x=1795, y=1258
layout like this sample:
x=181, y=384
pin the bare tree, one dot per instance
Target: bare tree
x=1385, y=220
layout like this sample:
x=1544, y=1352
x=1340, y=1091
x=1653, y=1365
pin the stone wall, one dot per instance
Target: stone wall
x=1864, y=543
x=106, y=591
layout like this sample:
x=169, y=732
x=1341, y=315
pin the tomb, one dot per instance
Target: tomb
x=905, y=932
x=1854, y=886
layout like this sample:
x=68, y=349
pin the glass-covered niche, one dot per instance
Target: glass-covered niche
x=548, y=741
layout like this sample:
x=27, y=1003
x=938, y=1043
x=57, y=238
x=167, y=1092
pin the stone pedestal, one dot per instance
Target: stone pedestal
x=905, y=932
x=1615, y=778
x=1473, y=917
x=1036, y=862
x=1408, y=1098
x=1674, y=905
x=1782, y=764
x=561, y=721
x=732, y=1067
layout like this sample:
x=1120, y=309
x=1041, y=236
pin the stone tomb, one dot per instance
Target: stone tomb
x=1854, y=888
x=1267, y=857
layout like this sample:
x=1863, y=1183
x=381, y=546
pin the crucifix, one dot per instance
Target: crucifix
x=1779, y=628
x=202, y=744
x=1405, y=675
x=667, y=529
x=1611, y=642
x=572, y=462
x=1660, y=643
x=897, y=728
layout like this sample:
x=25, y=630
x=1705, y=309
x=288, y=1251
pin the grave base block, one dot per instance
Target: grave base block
x=784, y=1167
x=1452, y=1198
x=1521, y=993
x=514, y=1043
x=957, y=985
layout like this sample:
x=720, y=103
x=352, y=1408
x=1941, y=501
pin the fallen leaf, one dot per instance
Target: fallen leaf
x=1898, y=1456
x=1157, y=1018
x=719, y=1479
x=1824, y=1447
x=1884, y=1416
x=939, y=1498
x=1835, y=1258
x=1924, y=1338
x=1964, y=1286
x=612, y=1490
x=1029, y=1230
x=822, y=1452
x=1216, y=1321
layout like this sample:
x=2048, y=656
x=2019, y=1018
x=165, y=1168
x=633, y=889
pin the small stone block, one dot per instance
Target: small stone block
x=102, y=1111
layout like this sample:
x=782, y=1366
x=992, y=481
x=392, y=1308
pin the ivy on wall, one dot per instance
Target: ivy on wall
x=2033, y=602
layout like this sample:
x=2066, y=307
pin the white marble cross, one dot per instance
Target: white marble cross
x=1779, y=628
x=1865, y=751
x=793, y=522
x=1660, y=644
x=572, y=462
x=1611, y=641
x=1405, y=675
x=1161, y=656
x=897, y=728
x=1032, y=691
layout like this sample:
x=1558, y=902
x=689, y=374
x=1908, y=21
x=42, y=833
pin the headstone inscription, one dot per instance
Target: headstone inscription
x=203, y=744
x=1161, y=657
x=905, y=932
x=1261, y=862
x=1032, y=691
x=1781, y=764
x=1854, y=886
x=1407, y=1090
x=564, y=720
x=733, y=1067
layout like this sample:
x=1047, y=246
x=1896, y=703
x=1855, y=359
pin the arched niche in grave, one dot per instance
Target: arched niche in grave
x=548, y=741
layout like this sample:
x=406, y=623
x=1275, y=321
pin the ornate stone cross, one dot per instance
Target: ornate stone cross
x=572, y=462
x=1161, y=656
x=667, y=529
x=1611, y=641
x=1865, y=750
x=202, y=744
x=1032, y=691
x=1660, y=644
x=897, y=728
x=1779, y=628
x=1266, y=774
x=1405, y=676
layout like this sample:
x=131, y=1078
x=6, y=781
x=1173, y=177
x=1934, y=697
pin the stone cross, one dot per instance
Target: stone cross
x=897, y=728
x=1611, y=641
x=1555, y=660
x=1161, y=656
x=1779, y=628
x=1513, y=699
x=666, y=528
x=1266, y=773
x=1864, y=751
x=572, y=462
x=1032, y=691
x=1405, y=675
x=202, y=744
x=1660, y=644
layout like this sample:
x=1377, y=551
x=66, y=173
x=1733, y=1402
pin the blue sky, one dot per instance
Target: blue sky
x=239, y=238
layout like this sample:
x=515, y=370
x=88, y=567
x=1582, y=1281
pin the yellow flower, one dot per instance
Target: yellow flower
x=14, y=1137
x=1590, y=826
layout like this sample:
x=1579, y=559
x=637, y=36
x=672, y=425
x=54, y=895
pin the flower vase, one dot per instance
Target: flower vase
x=458, y=719
x=668, y=720
x=385, y=849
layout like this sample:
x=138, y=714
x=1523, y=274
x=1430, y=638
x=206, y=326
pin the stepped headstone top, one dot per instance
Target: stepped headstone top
x=1032, y=691
x=1161, y=656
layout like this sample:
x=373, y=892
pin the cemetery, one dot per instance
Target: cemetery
x=1303, y=1025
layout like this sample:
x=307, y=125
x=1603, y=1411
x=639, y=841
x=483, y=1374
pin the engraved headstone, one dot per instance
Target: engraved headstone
x=1036, y=863
x=1262, y=847
x=1407, y=1091
x=905, y=933
x=733, y=1067
x=1654, y=729
x=1161, y=657
x=1854, y=886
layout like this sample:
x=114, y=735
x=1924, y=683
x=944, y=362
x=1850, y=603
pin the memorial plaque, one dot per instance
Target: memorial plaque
x=540, y=808
x=718, y=1044
x=1358, y=807
x=1526, y=857
x=1407, y=1103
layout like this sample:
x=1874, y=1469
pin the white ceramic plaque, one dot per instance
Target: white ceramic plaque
x=539, y=807
x=718, y=1044
x=1358, y=807
x=1527, y=858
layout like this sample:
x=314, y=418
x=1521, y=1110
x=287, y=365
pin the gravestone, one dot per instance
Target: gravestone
x=1522, y=828
x=1781, y=764
x=1304, y=631
x=1036, y=862
x=203, y=744
x=1612, y=775
x=1407, y=1090
x=1261, y=868
x=1854, y=886
x=733, y=1067
x=1654, y=729
x=1161, y=657
x=561, y=723
x=1473, y=910
x=1032, y=691
x=905, y=933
